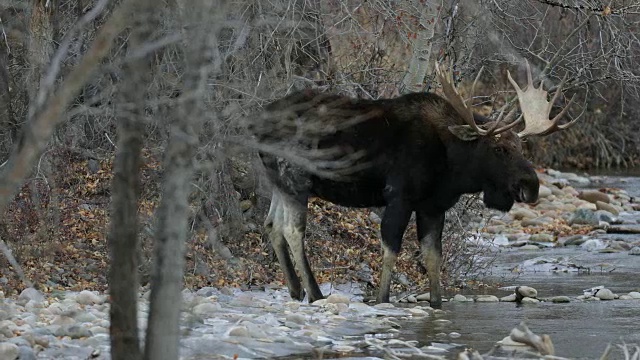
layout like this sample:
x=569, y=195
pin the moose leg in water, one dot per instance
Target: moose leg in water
x=295, y=223
x=275, y=228
x=430, y=236
x=394, y=222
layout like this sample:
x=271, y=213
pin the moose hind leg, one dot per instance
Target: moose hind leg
x=295, y=222
x=275, y=227
x=430, y=236
x=394, y=223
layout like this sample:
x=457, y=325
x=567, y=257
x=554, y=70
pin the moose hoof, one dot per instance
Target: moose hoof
x=436, y=303
x=297, y=294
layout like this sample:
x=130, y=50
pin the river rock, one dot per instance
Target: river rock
x=86, y=297
x=529, y=247
x=593, y=196
x=605, y=294
x=527, y=291
x=542, y=237
x=544, y=192
x=487, y=298
x=418, y=312
x=593, y=245
x=584, y=217
x=607, y=207
x=338, y=299
x=461, y=298
x=520, y=213
x=30, y=294
x=424, y=297
x=560, y=299
x=9, y=351
x=634, y=295
x=412, y=299
x=206, y=309
x=606, y=216
x=508, y=298
x=635, y=250
x=573, y=240
x=528, y=300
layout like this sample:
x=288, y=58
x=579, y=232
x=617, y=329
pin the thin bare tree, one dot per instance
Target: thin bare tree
x=201, y=20
x=123, y=233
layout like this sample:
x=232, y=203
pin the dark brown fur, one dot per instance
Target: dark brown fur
x=412, y=162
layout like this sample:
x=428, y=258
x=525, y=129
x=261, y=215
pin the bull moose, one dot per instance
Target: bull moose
x=422, y=152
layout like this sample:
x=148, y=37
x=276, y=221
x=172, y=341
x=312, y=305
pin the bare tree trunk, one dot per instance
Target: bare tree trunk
x=123, y=235
x=8, y=125
x=40, y=42
x=419, y=64
x=162, y=340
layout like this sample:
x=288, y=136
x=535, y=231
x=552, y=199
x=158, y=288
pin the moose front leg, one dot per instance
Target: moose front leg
x=394, y=223
x=430, y=236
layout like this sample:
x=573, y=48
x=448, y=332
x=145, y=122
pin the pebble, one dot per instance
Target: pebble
x=541, y=237
x=600, y=205
x=89, y=298
x=635, y=250
x=593, y=196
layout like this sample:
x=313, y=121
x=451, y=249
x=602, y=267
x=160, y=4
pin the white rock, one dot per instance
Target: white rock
x=418, y=312
x=337, y=299
x=487, y=298
x=544, y=191
x=527, y=291
x=634, y=295
x=412, y=299
x=528, y=300
x=461, y=298
x=9, y=351
x=424, y=297
x=206, y=309
x=238, y=331
x=508, y=298
x=86, y=297
x=31, y=294
x=454, y=335
x=320, y=302
x=605, y=294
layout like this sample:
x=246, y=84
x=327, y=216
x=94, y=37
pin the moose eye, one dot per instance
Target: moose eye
x=499, y=150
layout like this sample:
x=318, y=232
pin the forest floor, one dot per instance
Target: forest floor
x=57, y=228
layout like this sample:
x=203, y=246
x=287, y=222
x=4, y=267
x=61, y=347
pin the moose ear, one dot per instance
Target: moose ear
x=464, y=132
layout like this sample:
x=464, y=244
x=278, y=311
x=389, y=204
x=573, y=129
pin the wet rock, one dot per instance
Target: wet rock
x=527, y=291
x=508, y=298
x=560, y=299
x=9, y=351
x=418, y=312
x=337, y=299
x=542, y=238
x=528, y=300
x=593, y=245
x=523, y=213
x=487, y=298
x=424, y=297
x=461, y=298
x=605, y=294
x=584, y=217
x=635, y=250
x=88, y=298
x=600, y=205
x=593, y=196
x=606, y=216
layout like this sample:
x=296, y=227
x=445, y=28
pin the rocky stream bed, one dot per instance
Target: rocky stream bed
x=568, y=267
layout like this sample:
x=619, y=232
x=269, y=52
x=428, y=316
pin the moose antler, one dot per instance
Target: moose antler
x=536, y=109
x=453, y=96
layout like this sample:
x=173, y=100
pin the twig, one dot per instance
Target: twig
x=12, y=260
